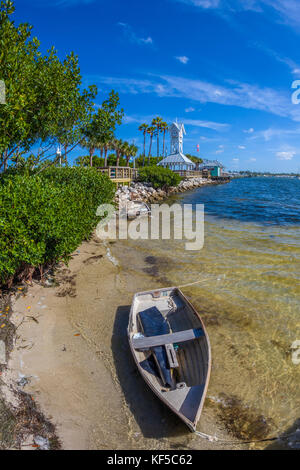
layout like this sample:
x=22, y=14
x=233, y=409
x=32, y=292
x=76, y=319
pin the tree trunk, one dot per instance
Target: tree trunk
x=157, y=143
x=164, y=143
x=151, y=137
x=92, y=150
x=66, y=153
x=144, y=148
x=118, y=159
x=105, y=156
x=150, y=151
x=5, y=161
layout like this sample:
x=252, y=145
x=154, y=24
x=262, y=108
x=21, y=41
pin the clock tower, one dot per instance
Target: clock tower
x=177, y=131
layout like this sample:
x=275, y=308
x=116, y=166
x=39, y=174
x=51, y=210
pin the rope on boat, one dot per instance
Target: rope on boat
x=241, y=441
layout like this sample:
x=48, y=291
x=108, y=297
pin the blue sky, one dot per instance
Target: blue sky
x=223, y=67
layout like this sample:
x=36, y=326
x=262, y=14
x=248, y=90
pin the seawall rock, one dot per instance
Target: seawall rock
x=144, y=192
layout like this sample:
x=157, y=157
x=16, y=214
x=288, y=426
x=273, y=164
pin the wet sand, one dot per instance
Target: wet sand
x=72, y=347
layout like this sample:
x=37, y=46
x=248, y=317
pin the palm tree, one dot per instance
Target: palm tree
x=133, y=149
x=90, y=143
x=107, y=145
x=143, y=128
x=157, y=122
x=117, y=146
x=150, y=131
x=125, y=151
x=100, y=146
x=164, y=128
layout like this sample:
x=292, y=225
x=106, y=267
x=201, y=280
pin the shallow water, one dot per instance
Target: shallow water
x=249, y=297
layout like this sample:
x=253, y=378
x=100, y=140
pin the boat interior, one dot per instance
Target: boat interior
x=171, y=348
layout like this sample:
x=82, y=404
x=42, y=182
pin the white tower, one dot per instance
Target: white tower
x=177, y=131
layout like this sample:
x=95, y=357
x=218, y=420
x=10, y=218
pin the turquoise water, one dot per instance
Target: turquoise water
x=249, y=298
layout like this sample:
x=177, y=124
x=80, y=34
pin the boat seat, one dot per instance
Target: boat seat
x=153, y=322
x=161, y=340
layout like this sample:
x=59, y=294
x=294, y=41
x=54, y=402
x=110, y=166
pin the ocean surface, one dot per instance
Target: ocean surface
x=248, y=297
x=266, y=201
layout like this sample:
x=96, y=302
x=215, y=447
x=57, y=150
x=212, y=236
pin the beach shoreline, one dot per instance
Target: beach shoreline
x=72, y=353
x=71, y=358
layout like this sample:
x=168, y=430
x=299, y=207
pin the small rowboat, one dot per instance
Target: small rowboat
x=171, y=348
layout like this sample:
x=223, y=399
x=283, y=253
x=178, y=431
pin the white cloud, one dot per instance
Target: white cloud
x=148, y=40
x=235, y=160
x=220, y=149
x=271, y=133
x=129, y=85
x=189, y=110
x=286, y=11
x=241, y=147
x=132, y=36
x=286, y=155
x=183, y=59
x=252, y=160
x=203, y=3
x=293, y=66
x=249, y=131
x=236, y=94
x=243, y=95
x=217, y=126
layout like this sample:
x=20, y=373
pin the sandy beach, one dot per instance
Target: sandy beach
x=72, y=357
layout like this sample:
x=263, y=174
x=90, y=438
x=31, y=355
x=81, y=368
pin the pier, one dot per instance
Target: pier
x=120, y=174
x=125, y=175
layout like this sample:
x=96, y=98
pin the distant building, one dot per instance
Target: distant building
x=213, y=166
x=177, y=161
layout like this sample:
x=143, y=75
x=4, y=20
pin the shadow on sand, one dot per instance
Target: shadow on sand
x=153, y=417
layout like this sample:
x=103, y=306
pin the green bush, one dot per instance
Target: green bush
x=99, y=162
x=44, y=217
x=141, y=161
x=159, y=176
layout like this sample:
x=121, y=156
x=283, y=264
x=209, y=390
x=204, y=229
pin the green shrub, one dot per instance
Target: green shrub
x=44, y=217
x=159, y=176
x=99, y=162
x=141, y=161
